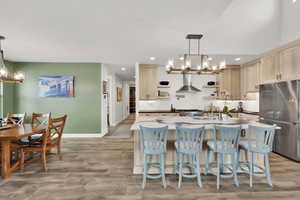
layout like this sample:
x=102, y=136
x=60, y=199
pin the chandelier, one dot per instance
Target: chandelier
x=5, y=76
x=194, y=63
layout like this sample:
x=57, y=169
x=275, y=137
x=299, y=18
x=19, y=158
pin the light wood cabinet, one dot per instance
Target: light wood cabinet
x=290, y=64
x=229, y=83
x=250, y=77
x=269, y=70
x=148, y=82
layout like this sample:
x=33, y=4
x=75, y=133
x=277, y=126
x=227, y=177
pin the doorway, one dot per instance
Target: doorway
x=132, y=100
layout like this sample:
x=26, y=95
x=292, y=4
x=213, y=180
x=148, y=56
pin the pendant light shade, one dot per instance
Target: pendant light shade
x=4, y=73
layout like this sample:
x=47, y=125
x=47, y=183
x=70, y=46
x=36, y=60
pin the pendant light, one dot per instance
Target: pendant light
x=4, y=73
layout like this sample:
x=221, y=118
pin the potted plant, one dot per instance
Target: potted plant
x=226, y=113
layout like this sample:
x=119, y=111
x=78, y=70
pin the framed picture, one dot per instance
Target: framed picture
x=119, y=94
x=104, y=87
x=56, y=86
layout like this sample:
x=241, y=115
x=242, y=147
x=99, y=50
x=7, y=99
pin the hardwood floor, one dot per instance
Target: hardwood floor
x=101, y=168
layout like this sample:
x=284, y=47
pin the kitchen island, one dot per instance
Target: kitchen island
x=171, y=122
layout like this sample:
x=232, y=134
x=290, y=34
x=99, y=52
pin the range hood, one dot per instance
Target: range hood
x=187, y=85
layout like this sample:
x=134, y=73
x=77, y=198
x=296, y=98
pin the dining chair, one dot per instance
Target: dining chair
x=16, y=119
x=259, y=141
x=153, y=142
x=36, y=120
x=189, y=142
x=51, y=138
x=225, y=141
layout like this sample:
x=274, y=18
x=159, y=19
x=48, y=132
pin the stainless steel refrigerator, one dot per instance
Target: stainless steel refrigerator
x=279, y=104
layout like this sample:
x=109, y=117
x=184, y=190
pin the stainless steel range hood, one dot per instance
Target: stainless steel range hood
x=187, y=85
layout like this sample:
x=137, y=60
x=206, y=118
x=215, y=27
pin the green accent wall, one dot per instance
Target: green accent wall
x=83, y=110
x=8, y=93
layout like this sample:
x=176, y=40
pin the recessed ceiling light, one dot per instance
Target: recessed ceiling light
x=152, y=58
x=237, y=59
x=209, y=59
x=294, y=1
x=123, y=68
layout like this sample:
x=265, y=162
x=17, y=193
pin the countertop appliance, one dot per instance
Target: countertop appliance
x=279, y=104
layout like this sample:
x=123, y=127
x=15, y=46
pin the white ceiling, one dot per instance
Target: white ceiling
x=122, y=32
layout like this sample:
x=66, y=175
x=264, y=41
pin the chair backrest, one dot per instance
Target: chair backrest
x=261, y=137
x=189, y=139
x=17, y=119
x=40, y=118
x=153, y=139
x=54, y=130
x=227, y=137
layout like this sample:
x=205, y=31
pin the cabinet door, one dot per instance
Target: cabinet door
x=290, y=64
x=269, y=69
x=252, y=76
x=148, y=82
x=235, y=84
x=243, y=82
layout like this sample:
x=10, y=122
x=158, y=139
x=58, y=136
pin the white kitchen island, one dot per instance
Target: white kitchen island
x=171, y=122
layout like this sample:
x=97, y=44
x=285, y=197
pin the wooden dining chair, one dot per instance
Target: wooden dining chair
x=50, y=139
x=16, y=119
x=36, y=120
x=40, y=118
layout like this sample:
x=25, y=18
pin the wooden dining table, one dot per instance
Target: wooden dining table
x=9, y=135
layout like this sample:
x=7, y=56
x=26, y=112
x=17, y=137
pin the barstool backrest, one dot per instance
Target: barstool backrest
x=261, y=137
x=153, y=140
x=189, y=139
x=227, y=137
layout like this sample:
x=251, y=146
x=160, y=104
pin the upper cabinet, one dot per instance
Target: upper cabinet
x=269, y=69
x=229, y=83
x=250, y=78
x=148, y=82
x=290, y=64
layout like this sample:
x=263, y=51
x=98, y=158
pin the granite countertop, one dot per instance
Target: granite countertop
x=171, y=122
x=192, y=110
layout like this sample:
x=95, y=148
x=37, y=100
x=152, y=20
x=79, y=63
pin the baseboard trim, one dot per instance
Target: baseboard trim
x=82, y=135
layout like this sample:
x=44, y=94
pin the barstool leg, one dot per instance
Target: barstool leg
x=180, y=170
x=207, y=157
x=162, y=170
x=198, y=169
x=250, y=156
x=234, y=168
x=267, y=169
x=218, y=170
x=145, y=171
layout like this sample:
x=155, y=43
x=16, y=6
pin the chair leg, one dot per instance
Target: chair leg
x=218, y=170
x=59, y=152
x=198, y=170
x=267, y=169
x=162, y=170
x=43, y=160
x=180, y=170
x=234, y=168
x=207, y=157
x=176, y=163
x=145, y=171
x=22, y=160
x=250, y=156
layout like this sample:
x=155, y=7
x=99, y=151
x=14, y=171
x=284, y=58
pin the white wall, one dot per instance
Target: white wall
x=118, y=111
x=289, y=21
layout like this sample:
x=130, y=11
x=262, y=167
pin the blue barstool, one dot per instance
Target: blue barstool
x=225, y=140
x=188, y=143
x=260, y=141
x=153, y=142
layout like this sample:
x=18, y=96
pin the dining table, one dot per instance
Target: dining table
x=11, y=134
